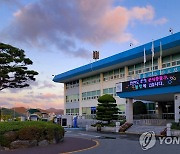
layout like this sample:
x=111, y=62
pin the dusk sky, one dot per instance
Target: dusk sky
x=59, y=35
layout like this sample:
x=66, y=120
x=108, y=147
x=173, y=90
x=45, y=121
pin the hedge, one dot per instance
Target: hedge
x=30, y=130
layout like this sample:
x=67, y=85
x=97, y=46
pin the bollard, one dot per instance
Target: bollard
x=117, y=127
x=87, y=127
x=168, y=133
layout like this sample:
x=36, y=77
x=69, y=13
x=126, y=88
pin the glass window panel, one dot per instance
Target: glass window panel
x=105, y=91
x=98, y=92
x=122, y=70
x=131, y=68
x=138, y=66
x=72, y=110
x=83, y=94
x=105, y=74
x=88, y=94
x=93, y=93
x=178, y=62
x=155, y=61
x=166, y=59
x=116, y=71
x=76, y=110
x=147, y=64
x=111, y=73
x=67, y=110
x=111, y=90
x=176, y=57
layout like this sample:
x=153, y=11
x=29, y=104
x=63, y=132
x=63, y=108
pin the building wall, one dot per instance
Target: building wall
x=130, y=72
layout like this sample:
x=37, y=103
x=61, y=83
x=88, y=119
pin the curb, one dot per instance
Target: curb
x=133, y=133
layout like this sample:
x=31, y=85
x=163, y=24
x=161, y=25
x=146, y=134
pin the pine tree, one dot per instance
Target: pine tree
x=14, y=72
x=107, y=108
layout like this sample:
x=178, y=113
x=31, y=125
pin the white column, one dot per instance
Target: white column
x=176, y=107
x=126, y=73
x=64, y=98
x=160, y=64
x=80, y=97
x=101, y=83
x=129, y=110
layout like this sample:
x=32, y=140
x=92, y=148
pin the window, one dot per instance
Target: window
x=91, y=80
x=121, y=109
x=72, y=98
x=110, y=91
x=72, y=84
x=67, y=110
x=176, y=59
x=91, y=95
x=113, y=74
x=105, y=91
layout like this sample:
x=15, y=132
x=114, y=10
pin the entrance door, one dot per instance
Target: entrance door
x=64, y=122
x=168, y=110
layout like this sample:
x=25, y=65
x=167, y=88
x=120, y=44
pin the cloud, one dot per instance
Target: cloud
x=11, y=3
x=32, y=84
x=47, y=96
x=61, y=24
x=46, y=84
x=33, y=100
x=160, y=21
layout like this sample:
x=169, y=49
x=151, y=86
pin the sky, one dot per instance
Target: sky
x=59, y=35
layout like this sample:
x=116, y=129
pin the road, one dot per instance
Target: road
x=122, y=144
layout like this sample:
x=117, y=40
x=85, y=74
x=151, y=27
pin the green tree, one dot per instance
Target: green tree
x=14, y=72
x=107, y=108
x=139, y=108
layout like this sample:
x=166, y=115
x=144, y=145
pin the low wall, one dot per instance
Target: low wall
x=103, y=129
x=150, y=122
x=83, y=122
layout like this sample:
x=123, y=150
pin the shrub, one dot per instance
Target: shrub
x=107, y=109
x=175, y=126
x=30, y=130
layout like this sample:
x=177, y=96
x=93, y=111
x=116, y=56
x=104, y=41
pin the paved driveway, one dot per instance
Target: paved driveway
x=123, y=144
x=69, y=144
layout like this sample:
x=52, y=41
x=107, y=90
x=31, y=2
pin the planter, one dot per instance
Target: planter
x=98, y=128
x=175, y=132
x=102, y=129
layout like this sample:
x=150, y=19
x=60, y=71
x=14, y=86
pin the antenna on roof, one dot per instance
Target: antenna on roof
x=95, y=55
x=171, y=30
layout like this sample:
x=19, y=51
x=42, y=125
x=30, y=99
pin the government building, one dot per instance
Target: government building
x=150, y=73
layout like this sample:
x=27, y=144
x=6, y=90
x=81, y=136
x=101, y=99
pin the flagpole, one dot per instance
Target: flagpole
x=144, y=61
x=152, y=50
x=160, y=58
x=152, y=65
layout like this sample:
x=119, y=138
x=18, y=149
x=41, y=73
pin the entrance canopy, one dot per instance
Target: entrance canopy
x=157, y=88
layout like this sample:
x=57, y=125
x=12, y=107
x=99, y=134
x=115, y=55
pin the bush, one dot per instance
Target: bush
x=107, y=109
x=30, y=130
x=122, y=122
x=175, y=126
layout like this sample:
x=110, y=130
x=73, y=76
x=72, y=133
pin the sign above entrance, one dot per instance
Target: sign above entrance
x=159, y=81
